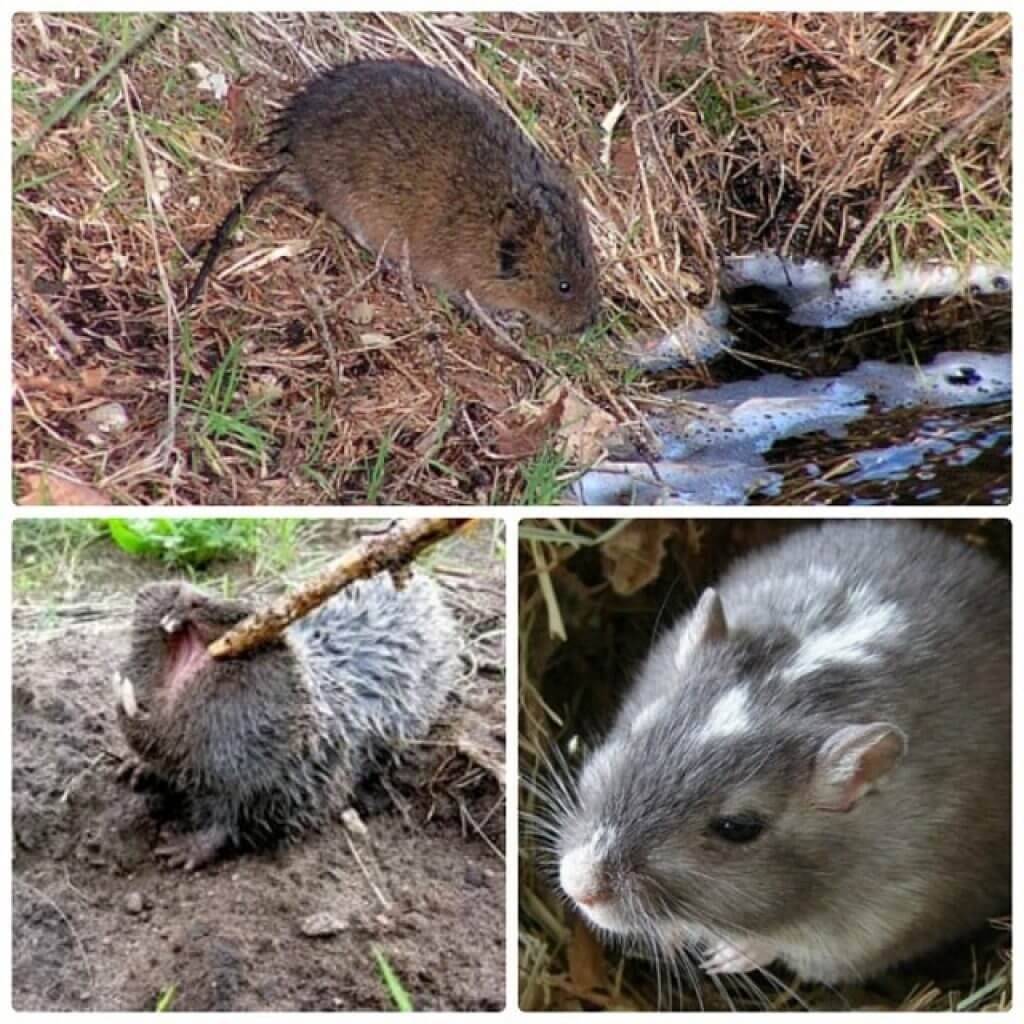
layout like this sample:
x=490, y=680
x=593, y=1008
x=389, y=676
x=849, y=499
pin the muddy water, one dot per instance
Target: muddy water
x=890, y=416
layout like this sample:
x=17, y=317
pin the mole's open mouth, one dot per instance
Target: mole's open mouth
x=186, y=650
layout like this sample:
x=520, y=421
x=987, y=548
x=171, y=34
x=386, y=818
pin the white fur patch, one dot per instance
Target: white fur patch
x=687, y=642
x=577, y=873
x=848, y=643
x=728, y=714
x=646, y=716
x=601, y=761
x=576, y=870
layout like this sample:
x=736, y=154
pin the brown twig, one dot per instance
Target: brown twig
x=385, y=552
x=499, y=338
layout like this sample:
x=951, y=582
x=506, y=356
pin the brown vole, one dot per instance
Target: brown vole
x=813, y=766
x=415, y=165
x=272, y=742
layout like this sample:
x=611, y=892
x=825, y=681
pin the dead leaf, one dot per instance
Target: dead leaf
x=587, y=967
x=522, y=430
x=584, y=427
x=94, y=377
x=632, y=558
x=481, y=389
x=47, y=489
x=34, y=383
x=624, y=163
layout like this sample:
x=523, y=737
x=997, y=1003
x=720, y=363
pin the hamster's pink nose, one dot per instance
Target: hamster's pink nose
x=583, y=878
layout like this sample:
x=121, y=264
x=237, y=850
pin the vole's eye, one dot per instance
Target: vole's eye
x=740, y=828
x=564, y=287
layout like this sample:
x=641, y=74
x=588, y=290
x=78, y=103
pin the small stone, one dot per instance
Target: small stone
x=474, y=876
x=353, y=823
x=134, y=903
x=108, y=418
x=321, y=925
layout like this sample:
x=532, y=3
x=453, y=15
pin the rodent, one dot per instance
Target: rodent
x=413, y=164
x=812, y=767
x=271, y=742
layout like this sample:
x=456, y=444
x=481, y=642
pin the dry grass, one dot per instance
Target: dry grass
x=606, y=585
x=303, y=376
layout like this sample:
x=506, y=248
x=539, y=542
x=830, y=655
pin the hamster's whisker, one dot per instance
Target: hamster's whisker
x=556, y=782
x=719, y=983
x=661, y=608
x=748, y=982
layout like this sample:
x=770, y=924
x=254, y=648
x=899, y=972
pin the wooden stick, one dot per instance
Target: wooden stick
x=384, y=552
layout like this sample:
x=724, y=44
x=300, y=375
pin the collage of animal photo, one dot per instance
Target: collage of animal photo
x=510, y=512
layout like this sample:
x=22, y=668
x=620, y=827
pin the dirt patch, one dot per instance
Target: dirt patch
x=100, y=925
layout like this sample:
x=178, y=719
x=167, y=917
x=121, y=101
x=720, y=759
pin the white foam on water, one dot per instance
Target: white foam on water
x=806, y=286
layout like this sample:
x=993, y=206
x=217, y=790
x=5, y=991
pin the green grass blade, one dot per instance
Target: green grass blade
x=398, y=994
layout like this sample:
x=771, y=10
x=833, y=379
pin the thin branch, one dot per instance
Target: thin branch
x=382, y=553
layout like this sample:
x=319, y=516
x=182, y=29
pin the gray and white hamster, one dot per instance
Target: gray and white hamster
x=813, y=766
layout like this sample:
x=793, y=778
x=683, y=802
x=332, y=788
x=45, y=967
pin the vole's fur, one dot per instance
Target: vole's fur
x=271, y=742
x=415, y=165
x=813, y=767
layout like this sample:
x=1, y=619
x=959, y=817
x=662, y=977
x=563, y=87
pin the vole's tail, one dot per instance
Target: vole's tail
x=216, y=244
x=382, y=662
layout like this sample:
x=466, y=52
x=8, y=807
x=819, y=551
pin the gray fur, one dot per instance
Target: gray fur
x=270, y=743
x=921, y=856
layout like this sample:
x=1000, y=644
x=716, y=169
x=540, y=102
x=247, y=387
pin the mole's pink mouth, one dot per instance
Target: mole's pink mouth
x=186, y=651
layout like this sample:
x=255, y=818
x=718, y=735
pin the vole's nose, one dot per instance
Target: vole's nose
x=583, y=878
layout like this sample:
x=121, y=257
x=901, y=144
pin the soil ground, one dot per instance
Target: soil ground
x=99, y=924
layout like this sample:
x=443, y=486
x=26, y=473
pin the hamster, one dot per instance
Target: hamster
x=812, y=767
x=413, y=164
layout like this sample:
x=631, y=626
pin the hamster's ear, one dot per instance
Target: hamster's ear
x=706, y=625
x=853, y=761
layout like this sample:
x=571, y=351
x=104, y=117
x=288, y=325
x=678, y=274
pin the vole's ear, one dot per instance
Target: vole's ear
x=853, y=761
x=706, y=625
x=515, y=226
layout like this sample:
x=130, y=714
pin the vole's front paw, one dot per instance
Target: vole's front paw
x=729, y=958
x=193, y=850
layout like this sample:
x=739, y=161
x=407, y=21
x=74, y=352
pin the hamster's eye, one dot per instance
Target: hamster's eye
x=740, y=828
x=564, y=287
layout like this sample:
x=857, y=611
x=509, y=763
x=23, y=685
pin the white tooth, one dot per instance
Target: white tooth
x=131, y=708
x=170, y=624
